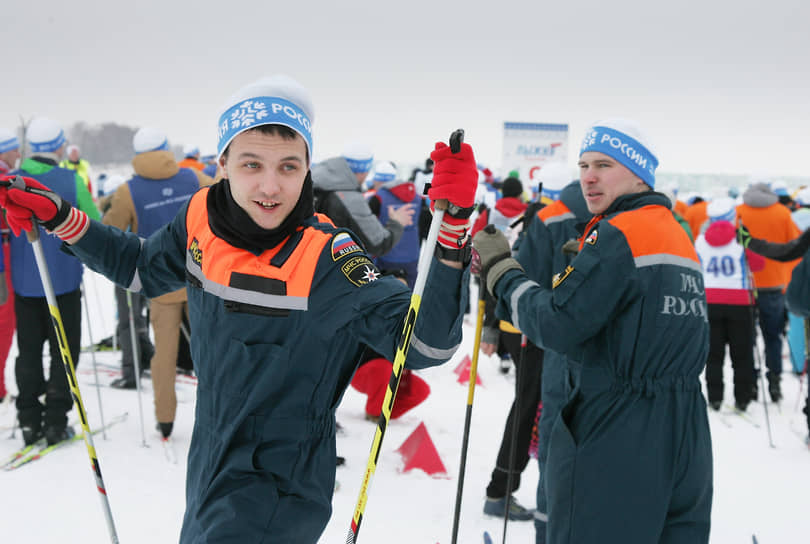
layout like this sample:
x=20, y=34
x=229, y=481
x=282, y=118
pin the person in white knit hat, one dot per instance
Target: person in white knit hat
x=281, y=303
x=338, y=186
x=9, y=150
x=49, y=419
x=629, y=312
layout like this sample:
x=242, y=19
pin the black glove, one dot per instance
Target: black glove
x=495, y=256
x=743, y=236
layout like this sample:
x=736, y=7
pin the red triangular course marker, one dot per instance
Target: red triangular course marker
x=463, y=371
x=418, y=451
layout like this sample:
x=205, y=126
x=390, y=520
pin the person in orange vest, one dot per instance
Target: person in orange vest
x=281, y=304
x=191, y=158
x=696, y=215
x=630, y=309
x=764, y=217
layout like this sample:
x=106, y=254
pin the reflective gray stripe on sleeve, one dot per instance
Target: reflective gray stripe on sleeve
x=244, y=296
x=431, y=352
x=135, y=285
x=667, y=258
x=513, y=300
x=540, y=516
x=558, y=218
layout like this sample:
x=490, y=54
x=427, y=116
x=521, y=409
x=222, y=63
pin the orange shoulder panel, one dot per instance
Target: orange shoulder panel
x=552, y=210
x=651, y=230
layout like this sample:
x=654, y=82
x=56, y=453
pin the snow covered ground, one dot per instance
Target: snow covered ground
x=759, y=490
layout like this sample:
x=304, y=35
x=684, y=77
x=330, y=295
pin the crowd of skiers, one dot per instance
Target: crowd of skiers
x=610, y=299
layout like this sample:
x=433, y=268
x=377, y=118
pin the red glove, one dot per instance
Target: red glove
x=455, y=175
x=455, y=179
x=25, y=199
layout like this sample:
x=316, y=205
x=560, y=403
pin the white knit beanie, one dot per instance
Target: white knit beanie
x=149, y=139
x=44, y=135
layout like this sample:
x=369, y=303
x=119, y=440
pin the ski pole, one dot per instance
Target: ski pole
x=515, y=425
x=479, y=325
x=806, y=358
x=95, y=365
x=136, y=361
x=753, y=294
x=422, y=271
x=67, y=361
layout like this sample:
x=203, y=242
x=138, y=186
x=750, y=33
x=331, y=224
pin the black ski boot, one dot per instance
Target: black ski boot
x=31, y=435
x=165, y=429
x=774, y=388
x=123, y=383
x=58, y=433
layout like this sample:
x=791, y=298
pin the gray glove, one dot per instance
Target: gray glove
x=495, y=256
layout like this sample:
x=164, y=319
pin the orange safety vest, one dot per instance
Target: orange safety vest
x=278, y=279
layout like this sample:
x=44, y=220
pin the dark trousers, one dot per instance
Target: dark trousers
x=732, y=325
x=34, y=327
x=529, y=370
x=771, y=305
x=145, y=348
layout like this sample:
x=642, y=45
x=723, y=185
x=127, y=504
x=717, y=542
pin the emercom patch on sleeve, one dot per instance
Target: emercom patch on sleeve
x=359, y=270
x=559, y=277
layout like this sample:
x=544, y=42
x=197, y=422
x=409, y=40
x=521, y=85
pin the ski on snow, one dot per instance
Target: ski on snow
x=40, y=449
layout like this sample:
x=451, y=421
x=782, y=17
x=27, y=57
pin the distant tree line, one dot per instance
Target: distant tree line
x=108, y=143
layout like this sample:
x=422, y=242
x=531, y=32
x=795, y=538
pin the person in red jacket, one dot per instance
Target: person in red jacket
x=9, y=156
x=729, y=295
x=508, y=208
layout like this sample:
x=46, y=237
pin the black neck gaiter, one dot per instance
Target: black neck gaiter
x=233, y=224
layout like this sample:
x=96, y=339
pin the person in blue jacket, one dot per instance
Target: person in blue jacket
x=48, y=419
x=281, y=303
x=630, y=456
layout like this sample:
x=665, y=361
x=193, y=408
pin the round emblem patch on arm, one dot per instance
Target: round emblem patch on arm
x=360, y=270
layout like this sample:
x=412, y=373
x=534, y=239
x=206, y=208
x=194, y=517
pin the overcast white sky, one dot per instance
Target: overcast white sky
x=721, y=86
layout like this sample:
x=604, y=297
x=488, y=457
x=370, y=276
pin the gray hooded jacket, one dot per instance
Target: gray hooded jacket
x=338, y=196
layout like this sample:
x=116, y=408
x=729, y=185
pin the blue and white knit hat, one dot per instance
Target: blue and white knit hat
x=722, y=209
x=359, y=157
x=273, y=100
x=8, y=140
x=44, y=135
x=149, y=139
x=553, y=176
x=384, y=172
x=190, y=150
x=624, y=141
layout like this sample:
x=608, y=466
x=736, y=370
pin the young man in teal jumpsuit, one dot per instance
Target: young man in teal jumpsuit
x=630, y=455
x=281, y=303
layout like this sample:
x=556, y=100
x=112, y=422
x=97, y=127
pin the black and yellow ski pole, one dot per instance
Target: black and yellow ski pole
x=479, y=326
x=67, y=361
x=423, y=270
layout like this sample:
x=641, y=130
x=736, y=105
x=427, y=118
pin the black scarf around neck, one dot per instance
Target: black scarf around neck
x=233, y=224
